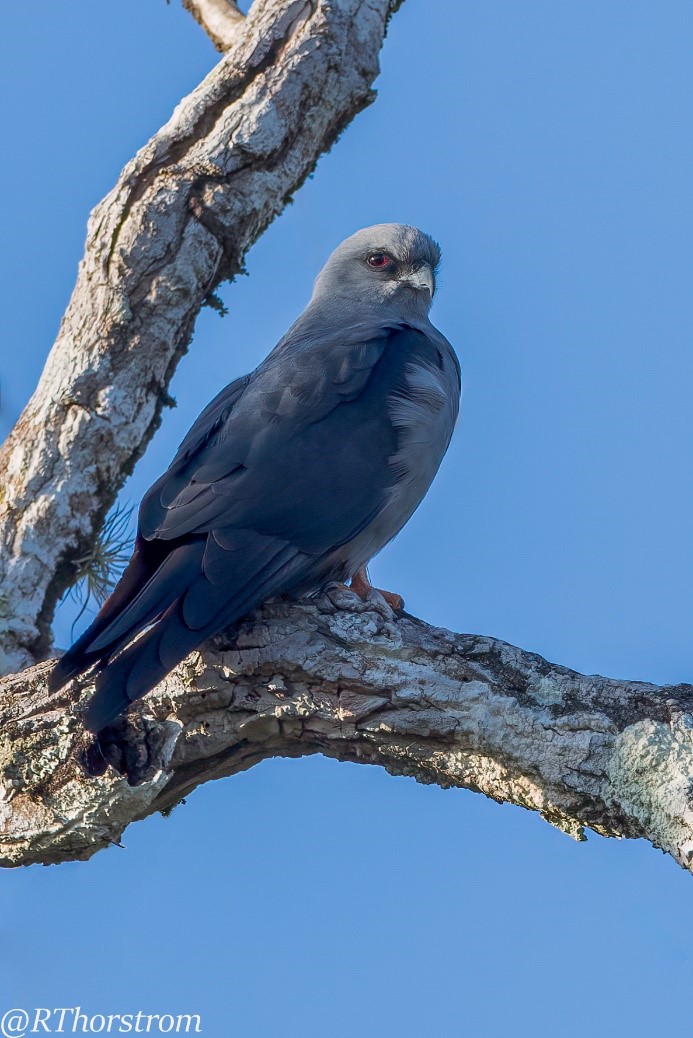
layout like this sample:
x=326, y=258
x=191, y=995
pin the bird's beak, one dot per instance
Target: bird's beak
x=421, y=279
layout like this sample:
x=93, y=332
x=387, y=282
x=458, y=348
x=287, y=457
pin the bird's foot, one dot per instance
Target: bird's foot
x=365, y=590
x=341, y=595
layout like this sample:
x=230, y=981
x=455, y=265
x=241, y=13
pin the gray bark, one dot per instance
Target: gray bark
x=348, y=679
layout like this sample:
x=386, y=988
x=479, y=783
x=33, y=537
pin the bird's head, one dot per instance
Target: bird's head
x=388, y=264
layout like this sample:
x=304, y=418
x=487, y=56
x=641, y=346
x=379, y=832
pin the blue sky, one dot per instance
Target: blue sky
x=548, y=147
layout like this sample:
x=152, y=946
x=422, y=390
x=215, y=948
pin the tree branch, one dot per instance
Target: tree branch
x=331, y=675
x=178, y=222
x=344, y=678
x=220, y=19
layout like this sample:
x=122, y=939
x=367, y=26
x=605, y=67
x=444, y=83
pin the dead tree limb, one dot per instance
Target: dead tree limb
x=348, y=679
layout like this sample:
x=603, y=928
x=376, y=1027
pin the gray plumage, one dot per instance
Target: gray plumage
x=293, y=476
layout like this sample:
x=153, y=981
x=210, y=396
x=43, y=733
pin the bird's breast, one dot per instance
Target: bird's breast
x=423, y=412
x=423, y=409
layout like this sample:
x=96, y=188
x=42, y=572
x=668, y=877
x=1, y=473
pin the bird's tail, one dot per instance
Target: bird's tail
x=82, y=655
x=140, y=667
x=219, y=595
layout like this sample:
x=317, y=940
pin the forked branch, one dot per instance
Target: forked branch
x=332, y=676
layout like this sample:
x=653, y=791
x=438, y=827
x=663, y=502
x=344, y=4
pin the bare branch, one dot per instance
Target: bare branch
x=344, y=678
x=332, y=675
x=220, y=19
x=179, y=221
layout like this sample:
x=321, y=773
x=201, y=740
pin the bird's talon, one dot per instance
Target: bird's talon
x=395, y=601
x=335, y=593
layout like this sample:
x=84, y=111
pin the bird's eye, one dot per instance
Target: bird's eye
x=379, y=260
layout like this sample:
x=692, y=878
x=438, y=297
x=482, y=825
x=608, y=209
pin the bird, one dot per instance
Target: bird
x=293, y=477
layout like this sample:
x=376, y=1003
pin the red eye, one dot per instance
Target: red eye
x=379, y=259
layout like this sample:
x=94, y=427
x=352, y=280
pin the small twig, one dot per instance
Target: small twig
x=220, y=19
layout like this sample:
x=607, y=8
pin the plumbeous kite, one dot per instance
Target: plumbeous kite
x=294, y=476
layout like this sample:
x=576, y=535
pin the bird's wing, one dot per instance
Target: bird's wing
x=210, y=420
x=304, y=452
